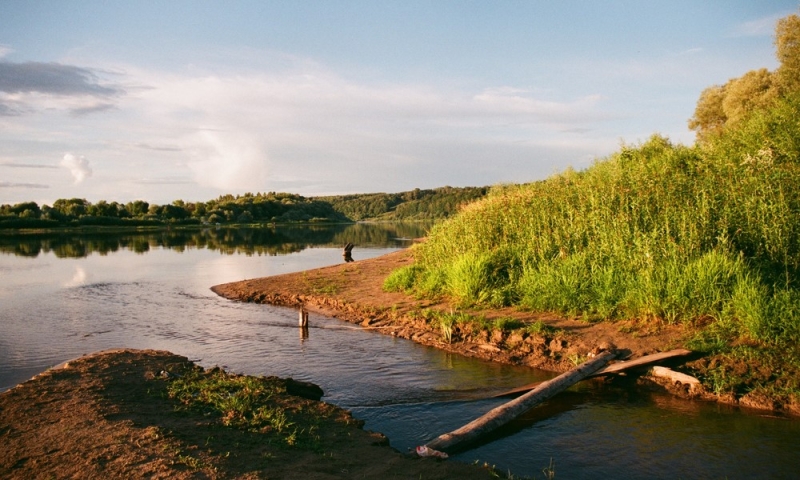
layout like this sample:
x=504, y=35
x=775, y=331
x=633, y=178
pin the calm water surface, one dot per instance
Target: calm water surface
x=64, y=296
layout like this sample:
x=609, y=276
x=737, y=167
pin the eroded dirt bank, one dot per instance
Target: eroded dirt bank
x=108, y=415
x=354, y=292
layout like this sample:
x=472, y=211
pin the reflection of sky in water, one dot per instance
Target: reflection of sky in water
x=55, y=309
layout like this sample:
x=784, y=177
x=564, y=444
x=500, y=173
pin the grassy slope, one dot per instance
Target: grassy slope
x=707, y=235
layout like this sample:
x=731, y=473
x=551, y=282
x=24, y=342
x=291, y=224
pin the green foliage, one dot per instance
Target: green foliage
x=243, y=209
x=477, y=278
x=402, y=279
x=412, y=205
x=722, y=106
x=709, y=233
x=255, y=404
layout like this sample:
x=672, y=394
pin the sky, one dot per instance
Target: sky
x=159, y=101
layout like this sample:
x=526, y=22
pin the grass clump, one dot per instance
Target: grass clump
x=256, y=404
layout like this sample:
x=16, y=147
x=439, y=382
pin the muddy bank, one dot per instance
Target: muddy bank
x=109, y=415
x=353, y=292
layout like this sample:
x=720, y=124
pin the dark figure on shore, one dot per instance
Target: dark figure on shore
x=348, y=252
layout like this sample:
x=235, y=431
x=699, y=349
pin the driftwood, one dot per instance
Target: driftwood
x=610, y=369
x=503, y=414
x=642, y=361
x=677, y=378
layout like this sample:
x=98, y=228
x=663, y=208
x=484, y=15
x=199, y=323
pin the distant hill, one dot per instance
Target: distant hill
x=412, y=205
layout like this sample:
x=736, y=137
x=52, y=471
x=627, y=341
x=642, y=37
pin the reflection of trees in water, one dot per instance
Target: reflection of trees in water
x=277, y=240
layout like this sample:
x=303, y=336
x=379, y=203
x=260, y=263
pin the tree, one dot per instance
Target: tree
x=138, y=208
x=787, y=49
x=721, y=106
x=752, y=91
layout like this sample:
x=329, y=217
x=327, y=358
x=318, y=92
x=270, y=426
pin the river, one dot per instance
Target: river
x=67, y=295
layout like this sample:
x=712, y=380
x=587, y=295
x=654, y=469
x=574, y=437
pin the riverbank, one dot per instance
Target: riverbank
x=144, y=413
x=354, y=292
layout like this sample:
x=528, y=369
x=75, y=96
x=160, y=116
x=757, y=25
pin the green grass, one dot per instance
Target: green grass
x=255, y=404
x=705, y=235
x=657, y=230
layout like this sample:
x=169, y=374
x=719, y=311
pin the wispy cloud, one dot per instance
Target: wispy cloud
x=22, y=185
x=760, y=27
x=31, y=86
x=163, y=181
x=245, y=131
x=52, y=78
x=25, y=165
x=89, y=109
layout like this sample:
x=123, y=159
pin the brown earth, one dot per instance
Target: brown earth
x=108, y=415
x=354, y=292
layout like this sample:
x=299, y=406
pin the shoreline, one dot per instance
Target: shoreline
x=353, y=292
x=115, y=414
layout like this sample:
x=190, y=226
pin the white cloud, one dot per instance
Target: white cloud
x=78, y=166
x=5, y=50
x=229, y=161
x=761, y=27
x=268, y=131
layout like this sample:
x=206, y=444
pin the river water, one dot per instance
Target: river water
x=63, y=296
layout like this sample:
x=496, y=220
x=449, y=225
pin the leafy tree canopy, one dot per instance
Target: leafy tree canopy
x=720, y=106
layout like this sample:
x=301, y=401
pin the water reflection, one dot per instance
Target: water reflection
x=56, y=307
x=269, y=240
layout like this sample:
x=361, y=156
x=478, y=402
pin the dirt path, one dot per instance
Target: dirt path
x=108, y=415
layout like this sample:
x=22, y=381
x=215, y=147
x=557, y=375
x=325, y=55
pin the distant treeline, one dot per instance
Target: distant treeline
x=243, y=209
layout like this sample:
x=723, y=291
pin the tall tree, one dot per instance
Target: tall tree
x=722, y=105
x=787, y=46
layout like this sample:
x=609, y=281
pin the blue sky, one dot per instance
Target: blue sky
x=193, y=99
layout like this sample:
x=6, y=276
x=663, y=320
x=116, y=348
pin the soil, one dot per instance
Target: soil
x=354, y=292
x=107, y=415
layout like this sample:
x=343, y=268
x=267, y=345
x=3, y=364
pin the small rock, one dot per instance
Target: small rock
x=556, y=345
x=303, y=389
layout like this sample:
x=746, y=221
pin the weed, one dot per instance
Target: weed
x=576, y=359
x=540, y=328
x=251, y=403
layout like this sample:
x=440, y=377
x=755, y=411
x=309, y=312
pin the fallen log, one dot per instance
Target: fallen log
x=503, y=414
x=610, y=369
x=642, y=361
x=677, y=378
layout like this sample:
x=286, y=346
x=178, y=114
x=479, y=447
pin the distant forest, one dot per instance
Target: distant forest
x=249, y=208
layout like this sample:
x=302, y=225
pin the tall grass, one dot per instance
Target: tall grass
x=656, y=230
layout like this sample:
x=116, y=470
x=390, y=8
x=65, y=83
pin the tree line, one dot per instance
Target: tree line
x=249, y=208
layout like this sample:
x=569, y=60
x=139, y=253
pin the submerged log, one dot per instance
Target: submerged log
x=503, y=414
x=610, y=369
